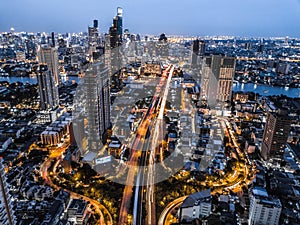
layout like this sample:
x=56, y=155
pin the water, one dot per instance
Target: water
x=31, y=80
x=266, y=90
x=243, y=87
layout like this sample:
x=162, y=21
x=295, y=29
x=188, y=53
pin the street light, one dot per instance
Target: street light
x=129, y=219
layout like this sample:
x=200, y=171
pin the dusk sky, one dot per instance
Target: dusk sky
x=261, y=18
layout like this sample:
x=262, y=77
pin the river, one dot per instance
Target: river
x=243, y=87
x=31, y=80
x=266, y=90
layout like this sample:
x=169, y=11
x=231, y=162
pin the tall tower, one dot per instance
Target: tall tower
x=217, y=78
x=49, y=56
x=53, y=39
x=97, y=104
x=120, y=22
x=107, y=54
x=225, y=79
x=162, y=48
x=6, y=212
x=116, y=30
x=48, y=91
x=275, y=134
x=201, y=48
x=195, y=52
x=93, y=34
x=113, y=33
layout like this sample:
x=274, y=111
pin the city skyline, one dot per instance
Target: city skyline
x=152, y=126
x=236, y=18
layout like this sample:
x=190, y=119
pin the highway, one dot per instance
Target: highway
x=147, y=164
x=138, y=163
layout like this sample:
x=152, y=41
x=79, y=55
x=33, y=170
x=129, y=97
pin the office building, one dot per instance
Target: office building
x=113, y=33
x=6, y=209
x=120, y=22
x=49, y=56
x=112, y=52
x=52, y=40
x=263, y=208
x=116, y=30
x=202, y=46
x=198, y=49
x=276, y=133
x=283, y=68
x=162, y=47
x=195, y=52
x=93, y=35
x=107, y=54
x=97, y=104
x=48, y=91
x=217, y=78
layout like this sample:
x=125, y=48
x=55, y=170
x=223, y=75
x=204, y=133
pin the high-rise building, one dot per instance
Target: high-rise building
x=52, y=39
x=198, y=49
x=49, y=56
x=115, y=40
x=97, y=83
x=276, y=133
x=217, y=78
x=263, y=208
x=107, y=54
x=95, y=23
x=113, y=33
x=93, y=34
x=116, y=30
x=126, y=34
x=201, y=47
x=6, y=210
x=120, y=22
x=195, y=52
x=48, y=91
x=30, y=47
x=162, y=48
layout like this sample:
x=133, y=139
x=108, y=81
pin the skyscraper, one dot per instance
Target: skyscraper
x=264, y=209
x=116, y=30
x=107, y=54
x=162, y=48
x=120, y=22
x=198, y=49
x=115, y=40
x=217, y=77
x=275, y=134
x=48, y=91
x=201, y=48
x=52, y=39
x=113, y=33
x=97, y=104
x=195, y=52
x=6, y=211
x=49, y=56
x=93, y=34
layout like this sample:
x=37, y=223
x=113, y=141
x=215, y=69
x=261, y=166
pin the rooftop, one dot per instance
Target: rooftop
x=193, y=199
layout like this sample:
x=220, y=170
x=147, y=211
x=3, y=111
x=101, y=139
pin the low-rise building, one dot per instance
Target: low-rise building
x=197, y=205
x=77, y=211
